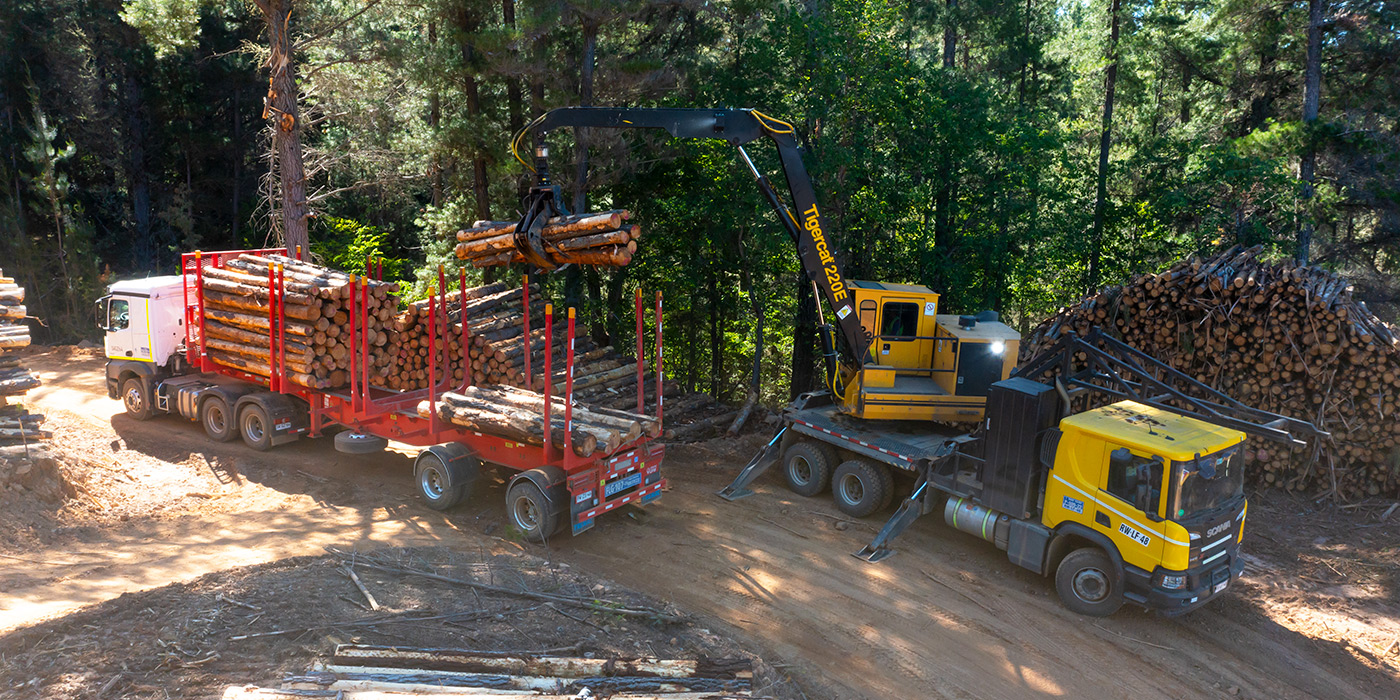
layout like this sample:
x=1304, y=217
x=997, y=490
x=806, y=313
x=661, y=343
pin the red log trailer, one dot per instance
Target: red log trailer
x=158, y=363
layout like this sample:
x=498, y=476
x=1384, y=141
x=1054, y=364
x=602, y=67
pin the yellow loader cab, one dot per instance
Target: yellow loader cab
x=928, y=366
x=1162, y=495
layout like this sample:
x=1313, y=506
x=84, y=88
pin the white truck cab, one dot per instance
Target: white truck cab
x=143, y=319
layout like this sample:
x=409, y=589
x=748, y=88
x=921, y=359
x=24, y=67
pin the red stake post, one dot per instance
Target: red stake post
x=660, y=397
x=363, y=347
x=271, y=328
x=525, y=292
x=281, y=329
x=569, y=393
x=548, y=352
x=641, y=369
x=432, y=373
x=466, y=332
x=354, y=321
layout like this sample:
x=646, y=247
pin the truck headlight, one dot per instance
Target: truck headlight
x=1174, y=582
x=998, y=347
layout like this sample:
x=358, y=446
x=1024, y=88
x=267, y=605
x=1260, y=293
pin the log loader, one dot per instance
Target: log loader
x=1140, y=501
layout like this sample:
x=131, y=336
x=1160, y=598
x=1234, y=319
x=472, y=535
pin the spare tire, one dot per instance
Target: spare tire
x=353, y=443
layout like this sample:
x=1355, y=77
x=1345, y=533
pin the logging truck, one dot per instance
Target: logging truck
x=159, y=343
x=1141, y=500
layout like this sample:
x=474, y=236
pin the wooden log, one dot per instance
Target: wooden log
x=254, y=322
x=507, y=423
x=619, y=430
x=296, y=361
x=263, y=370
x=249, y=303
x=228, y=275
x=18, y=384
x=13, y=312
x=600, y=221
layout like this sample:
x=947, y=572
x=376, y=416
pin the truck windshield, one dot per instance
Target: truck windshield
x=1197, y=493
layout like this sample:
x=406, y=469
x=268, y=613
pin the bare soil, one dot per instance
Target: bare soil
x=1316, y=614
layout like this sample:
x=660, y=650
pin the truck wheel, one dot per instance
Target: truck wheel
x=255, y=427
x=218, y=421
x=807, y=467
x=861, y=487
x=529, y=511
x=1088, y=583
x=353, y=443
x=137, y=399
x=435, y=483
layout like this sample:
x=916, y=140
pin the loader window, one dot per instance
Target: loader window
x=867, y=316
x=118, y=315
x=900, y=320
x=1135, y=479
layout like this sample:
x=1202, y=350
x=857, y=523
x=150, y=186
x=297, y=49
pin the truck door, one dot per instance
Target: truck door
x=122, y=339
x=899, y=327
x=1130, y=504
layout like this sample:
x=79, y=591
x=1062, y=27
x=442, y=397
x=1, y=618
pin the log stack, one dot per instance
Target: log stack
x=518, y=414
x=601, y=239
x=317, y=306
x=1280, y=337
x=17, y=425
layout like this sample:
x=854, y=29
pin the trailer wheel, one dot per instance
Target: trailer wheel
x=136, y=399
x=529, y=511
x=435, y=483
x=1088, y=583
x=807, y=466
x=255, y=427
x=218, y=422
x=861, y=487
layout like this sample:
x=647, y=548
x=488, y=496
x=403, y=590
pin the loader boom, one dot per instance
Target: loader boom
x=807, y=226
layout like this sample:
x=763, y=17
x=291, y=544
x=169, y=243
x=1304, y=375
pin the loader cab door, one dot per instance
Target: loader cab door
x=897, y=343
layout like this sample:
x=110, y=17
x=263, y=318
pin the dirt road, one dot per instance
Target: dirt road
x=946, y=617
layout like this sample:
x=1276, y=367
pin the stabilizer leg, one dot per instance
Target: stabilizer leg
x=760, y=463
x=909, y=511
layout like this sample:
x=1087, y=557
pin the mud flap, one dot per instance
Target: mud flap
x=760, y=463
x=917, y=504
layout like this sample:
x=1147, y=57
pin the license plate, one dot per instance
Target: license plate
x=1220, y=586
x=283, y=425
x=622, y=485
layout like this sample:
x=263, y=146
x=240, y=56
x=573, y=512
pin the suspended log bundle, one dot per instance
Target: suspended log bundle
x=317, y=306
x=16, y=425
x=601, y=239
x=1284, y=338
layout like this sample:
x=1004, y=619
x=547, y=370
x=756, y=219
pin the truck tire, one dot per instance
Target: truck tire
x=136, y=399
x=255, y=427
x=529, y=512
x=218, y=421
x=861, y=487
x=1088, y=583
x=807, y=466
x=435, y=483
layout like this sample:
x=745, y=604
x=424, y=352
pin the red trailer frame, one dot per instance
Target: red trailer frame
x=595, y=484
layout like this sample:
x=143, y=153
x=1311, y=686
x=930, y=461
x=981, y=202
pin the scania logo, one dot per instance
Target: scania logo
x=1218, y=529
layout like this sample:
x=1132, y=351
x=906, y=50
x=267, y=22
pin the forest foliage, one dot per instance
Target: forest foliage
x=953, y=143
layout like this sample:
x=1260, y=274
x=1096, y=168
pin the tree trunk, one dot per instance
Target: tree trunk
x=1105, y=139
x=281, y=108
x=237, y=146
x=950, y=36
x=716, y=335
x=435, y=119
x=585, y=96
x=514, y=99
x=1312, y=86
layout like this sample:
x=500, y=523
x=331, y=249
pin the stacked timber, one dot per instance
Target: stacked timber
x=317, y=306
x=601, y=239
x=17, y=425
x=518, y=414
x=1280, y=337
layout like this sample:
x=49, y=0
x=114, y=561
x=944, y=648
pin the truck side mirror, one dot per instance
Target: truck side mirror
x=100, y=309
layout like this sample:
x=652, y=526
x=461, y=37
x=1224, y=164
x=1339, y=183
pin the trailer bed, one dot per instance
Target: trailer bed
x=900, y=444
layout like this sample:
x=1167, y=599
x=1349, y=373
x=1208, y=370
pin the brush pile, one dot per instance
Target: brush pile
x=317, y=304
x=585, y=239
x=1279, y=337
x=16, y=424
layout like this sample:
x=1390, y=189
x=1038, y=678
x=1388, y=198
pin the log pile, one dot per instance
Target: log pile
x=518, y=414
x=317, y=305
x=585, y=239
x=17, y=425
x=1283, y=338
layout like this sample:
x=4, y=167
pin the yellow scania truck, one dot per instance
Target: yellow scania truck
x=1138, y=501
